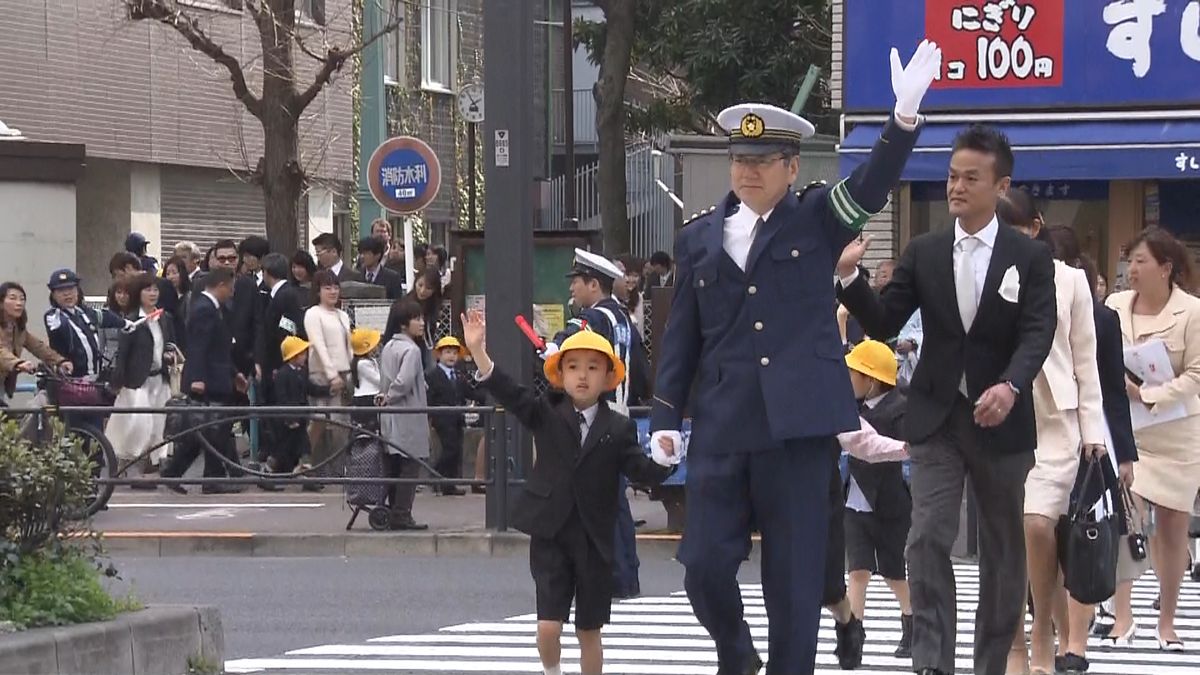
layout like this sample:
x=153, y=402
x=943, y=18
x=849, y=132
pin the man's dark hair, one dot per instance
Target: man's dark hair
x=122, y=260
x=606, y=284
x=254, y=245
x=217, y=276
x=276, y=266
x=660, y=259
x=224, y=243
x=373, y=245
x=328, y=240
x=988, y=141
x=402, y=313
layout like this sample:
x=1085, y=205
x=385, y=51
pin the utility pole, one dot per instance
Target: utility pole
x=570, y=215
x=373, y=112
x=509, y=158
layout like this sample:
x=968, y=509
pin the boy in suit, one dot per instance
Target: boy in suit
x=292, y=387
x=448, y=388
x=569, y=504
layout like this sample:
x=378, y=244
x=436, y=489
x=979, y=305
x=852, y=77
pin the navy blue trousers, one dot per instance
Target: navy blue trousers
x=784, y=492
x=625, y=557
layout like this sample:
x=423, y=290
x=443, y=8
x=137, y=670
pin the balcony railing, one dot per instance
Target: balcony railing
x=585, y=117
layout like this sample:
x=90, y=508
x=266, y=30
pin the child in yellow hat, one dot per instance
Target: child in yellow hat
x=448, y=387
x=291, y=386
x=878, y=507
x=569, y=504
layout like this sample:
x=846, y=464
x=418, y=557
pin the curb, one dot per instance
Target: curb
x=151, y=641
x=471, y=543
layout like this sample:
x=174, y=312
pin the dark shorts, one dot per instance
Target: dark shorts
x=876, y=544
x=569, y=567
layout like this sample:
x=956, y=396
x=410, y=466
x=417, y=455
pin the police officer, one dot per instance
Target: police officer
x=136, y=243
x=72, y=328
x=751, y=319
x=592, y=278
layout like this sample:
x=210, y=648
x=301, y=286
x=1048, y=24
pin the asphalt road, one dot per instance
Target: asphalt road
x=272, y=605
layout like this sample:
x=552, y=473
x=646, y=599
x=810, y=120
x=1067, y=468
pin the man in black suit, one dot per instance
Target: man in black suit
x=986, y=295
x=284, y=315
x=372, y=250
x=329, y=257
x=250, y=298
x=209, y=376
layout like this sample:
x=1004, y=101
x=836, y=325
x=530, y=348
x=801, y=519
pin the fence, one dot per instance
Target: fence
x=584, y=122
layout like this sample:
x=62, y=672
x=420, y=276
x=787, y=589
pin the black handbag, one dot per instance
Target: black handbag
x=1088, y=545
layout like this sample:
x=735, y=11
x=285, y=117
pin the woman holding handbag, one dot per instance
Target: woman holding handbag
x=140, y=376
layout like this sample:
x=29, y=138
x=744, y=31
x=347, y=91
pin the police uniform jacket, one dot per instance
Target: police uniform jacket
x=883, y=483
x=764, y=342
x=570, y=475
x=610, y=319
x=76, y=335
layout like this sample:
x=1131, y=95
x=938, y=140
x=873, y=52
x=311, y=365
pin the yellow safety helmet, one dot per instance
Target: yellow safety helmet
x=875, y=360
x=292, y=347
x=449, y=341
x=363, y=341
x=585, y=339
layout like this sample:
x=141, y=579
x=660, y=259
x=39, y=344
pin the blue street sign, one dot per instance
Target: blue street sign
x=404, y=174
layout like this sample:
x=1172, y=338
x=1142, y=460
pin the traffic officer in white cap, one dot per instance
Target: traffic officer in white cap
x=592, y=277
x=752, y=323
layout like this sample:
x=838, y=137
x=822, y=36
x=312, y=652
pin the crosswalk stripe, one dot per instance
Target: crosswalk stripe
x=660, y=635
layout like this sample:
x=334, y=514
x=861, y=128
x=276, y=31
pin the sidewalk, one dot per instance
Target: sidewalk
x=294, y=523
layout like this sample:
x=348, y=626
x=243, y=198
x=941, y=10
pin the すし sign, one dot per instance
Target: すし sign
x=404, y=174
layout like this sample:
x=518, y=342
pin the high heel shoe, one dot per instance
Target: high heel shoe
x=1126, y=640
x=1167, y=645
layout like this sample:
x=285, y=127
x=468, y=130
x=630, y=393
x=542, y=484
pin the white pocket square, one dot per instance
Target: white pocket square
x=1010, y=284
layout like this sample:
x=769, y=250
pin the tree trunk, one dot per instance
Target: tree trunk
x=610, y=123
x=280, y=171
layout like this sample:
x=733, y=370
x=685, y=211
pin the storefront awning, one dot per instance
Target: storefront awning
x=1056, y=150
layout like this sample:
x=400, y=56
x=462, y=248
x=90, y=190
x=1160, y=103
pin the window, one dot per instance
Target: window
x=394, y=47
x=311, y=10
x=439, y=22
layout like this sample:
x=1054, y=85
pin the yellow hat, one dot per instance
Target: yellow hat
x=363, y=341
x=585, y=339
x=448, y=341
x=875, y=360
x=292, y=347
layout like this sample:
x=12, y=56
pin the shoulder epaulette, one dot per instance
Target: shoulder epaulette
x=815, y=184
x=700, y=214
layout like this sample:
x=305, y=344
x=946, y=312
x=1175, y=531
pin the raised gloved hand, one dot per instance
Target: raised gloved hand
x=549, y=350
x=910, y=82
x=666, y=448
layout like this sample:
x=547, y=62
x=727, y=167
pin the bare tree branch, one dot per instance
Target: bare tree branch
x=166, y=13
x=334, y=59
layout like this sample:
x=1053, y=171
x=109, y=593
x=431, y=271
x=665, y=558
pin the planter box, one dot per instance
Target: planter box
x=153, y=641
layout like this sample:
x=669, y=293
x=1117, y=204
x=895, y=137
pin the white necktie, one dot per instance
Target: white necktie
x=964, y=282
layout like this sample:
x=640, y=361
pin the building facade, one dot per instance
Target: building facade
x=168, y=146
x=1097, y=98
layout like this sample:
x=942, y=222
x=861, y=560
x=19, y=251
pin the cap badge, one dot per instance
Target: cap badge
x=752, y=126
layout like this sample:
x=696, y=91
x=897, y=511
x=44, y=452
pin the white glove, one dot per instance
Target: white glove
x=550, y=350
x=910, y=82
x=659, y=455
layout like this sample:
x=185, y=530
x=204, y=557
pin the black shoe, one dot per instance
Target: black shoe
x=222, y=489
x=904, y=649
x=1157, y=605
x=751, y=667
x=313, y=487
x=1071, y=664
x=452, y=491
x=627, y=593
x=270, y=487
x=409, y=526
x=850, y=639
x=478, y=490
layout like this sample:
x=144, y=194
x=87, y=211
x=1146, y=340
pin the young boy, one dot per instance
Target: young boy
x=568, y=506
x=448, y=387
x=292, y=387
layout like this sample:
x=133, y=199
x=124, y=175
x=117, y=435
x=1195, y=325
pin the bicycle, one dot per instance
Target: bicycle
x=53, y=390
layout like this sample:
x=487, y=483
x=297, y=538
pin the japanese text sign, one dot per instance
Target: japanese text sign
x=1029, y=54
x=404, y=174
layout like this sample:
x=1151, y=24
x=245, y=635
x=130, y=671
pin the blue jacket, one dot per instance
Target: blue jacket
x=764, y=343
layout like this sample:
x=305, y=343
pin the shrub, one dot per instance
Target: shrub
x=40, y=487
x=55, y=589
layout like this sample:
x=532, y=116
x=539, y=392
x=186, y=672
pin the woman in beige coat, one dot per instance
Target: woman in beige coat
x=1159, y=307
x=402, y=380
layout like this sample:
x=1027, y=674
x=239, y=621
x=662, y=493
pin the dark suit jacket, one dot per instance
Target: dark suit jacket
x=569, y=477
x=348, y=274
x=391, y=280
x=210, y=350
x=441, y=391
x=1110, y=360
x=883, y=483
x=135, y=353
x=284, y=316
x=1007, y=342
x=245, y=319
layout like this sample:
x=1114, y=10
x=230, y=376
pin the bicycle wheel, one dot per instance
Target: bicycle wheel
x=104, y=465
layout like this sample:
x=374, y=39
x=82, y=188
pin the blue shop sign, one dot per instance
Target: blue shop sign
x=1028, y=54
x=1054, y=190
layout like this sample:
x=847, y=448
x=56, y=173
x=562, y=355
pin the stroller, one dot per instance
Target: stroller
x=367, y=461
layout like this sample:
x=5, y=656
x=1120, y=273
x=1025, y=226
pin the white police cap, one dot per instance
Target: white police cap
x=761, y=128
x=588, y=264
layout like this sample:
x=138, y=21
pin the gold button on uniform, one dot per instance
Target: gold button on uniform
x=758, y=325
x=765, y=361
x=752, y=290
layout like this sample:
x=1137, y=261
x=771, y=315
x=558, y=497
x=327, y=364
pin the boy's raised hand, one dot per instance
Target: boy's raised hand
x=474, y=330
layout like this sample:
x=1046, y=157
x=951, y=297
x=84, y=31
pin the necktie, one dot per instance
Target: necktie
x=964, y=288
x=582, y=425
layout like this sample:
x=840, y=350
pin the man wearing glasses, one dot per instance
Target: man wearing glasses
x=752, y=322
x=328, y=248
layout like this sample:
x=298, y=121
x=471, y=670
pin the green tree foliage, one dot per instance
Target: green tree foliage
x=691, y=58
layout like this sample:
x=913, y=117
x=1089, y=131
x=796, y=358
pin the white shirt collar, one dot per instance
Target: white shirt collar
x=987, y=235
x=589, y=415
x=212, y=297
x=872, y=402
x=750, y=216
x=337, y=268
x=278, y=285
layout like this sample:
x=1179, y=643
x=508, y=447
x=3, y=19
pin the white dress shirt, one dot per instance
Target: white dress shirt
x=855, y=499
x=278, y=285
x=739, y=233
x=589, y=416
x=981, y=257
x=337, y=268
